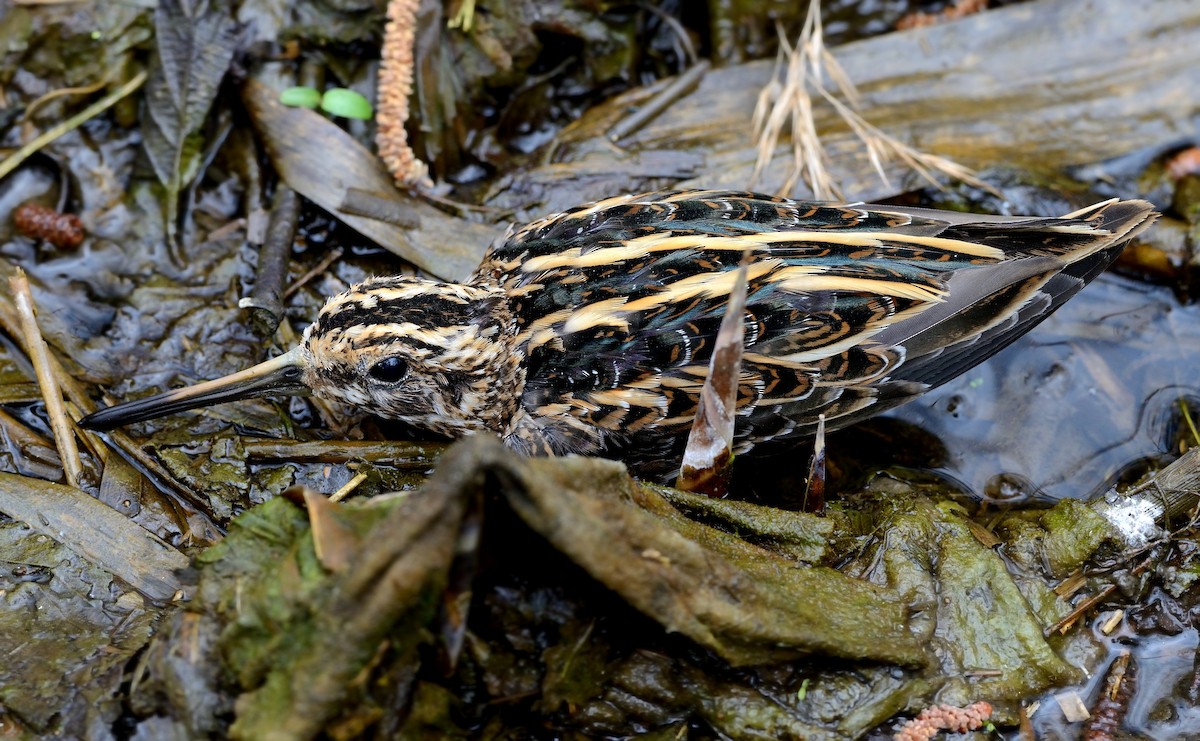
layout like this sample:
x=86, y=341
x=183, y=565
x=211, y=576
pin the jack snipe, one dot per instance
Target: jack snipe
x=590, y=331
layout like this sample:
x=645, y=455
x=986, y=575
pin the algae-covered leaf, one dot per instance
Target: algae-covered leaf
x=747, y=604
x=68, y=629
x=195, y=44
x=977, y=622
x=295, y=634
x=99, y=533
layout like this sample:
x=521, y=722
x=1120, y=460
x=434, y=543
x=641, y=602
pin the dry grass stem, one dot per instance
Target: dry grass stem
x=329, y=259
x=394, y=86
x=787, y=100
x=74, y=122
x=10, y=322
x=800, y=72
x=349, y=488
x=80, y=402
x=39, y=355
x=33, y=107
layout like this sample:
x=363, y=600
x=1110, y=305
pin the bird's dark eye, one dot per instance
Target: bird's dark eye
x=389, y=370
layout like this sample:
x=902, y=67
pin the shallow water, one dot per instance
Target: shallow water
x=1092, y=392
x=1164, y=666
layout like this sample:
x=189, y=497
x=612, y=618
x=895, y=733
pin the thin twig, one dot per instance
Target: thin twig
x=350, y=486
x=49, y=135
x=1079, y=610
x=678, y=87
x=330, y=258
x=266, y=300
x=11, y=324
x=380, y=452
x=82, y=404
x=64, y=437
x=33, y=107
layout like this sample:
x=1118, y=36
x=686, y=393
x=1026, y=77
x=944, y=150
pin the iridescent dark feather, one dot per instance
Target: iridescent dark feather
x=851, y=309
x=591, y=331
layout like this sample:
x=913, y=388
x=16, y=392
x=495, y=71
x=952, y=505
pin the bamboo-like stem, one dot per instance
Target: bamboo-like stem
x=39, y=355
x=349, y=488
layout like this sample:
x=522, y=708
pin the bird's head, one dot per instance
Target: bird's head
x=438, y=356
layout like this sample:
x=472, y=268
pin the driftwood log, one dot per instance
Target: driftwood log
x=1035, y=86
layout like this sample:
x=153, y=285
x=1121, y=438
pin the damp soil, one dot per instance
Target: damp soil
x=200, y=585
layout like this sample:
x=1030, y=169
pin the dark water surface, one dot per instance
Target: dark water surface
x=1090, y=393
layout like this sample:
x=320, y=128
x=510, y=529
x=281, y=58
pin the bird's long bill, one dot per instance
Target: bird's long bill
x=281, y=375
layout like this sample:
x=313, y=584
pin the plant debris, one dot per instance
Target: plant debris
x=194, y=47
x=206, y=581
x=807, y=64
x=709, y=453
x=395, y=85
x=39, y=222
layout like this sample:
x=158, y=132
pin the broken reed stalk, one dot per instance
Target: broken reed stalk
x=348, y=488
x=39, y=355
x=805, y=67
x=681, y=86
x=814, y=491
x=708, y=457
x=82, y=404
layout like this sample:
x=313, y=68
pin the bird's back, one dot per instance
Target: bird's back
x=850, y=310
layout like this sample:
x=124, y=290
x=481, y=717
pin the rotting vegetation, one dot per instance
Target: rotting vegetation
x=556, y=597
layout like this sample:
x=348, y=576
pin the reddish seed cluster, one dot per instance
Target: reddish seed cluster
x=944, y=718
x=957, y=10
x=40, y=222
x=1184, y=163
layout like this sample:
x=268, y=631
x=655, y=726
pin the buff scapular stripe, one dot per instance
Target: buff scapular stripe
x=591, y=330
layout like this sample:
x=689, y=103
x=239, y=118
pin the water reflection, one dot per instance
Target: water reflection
x=1091, y=392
